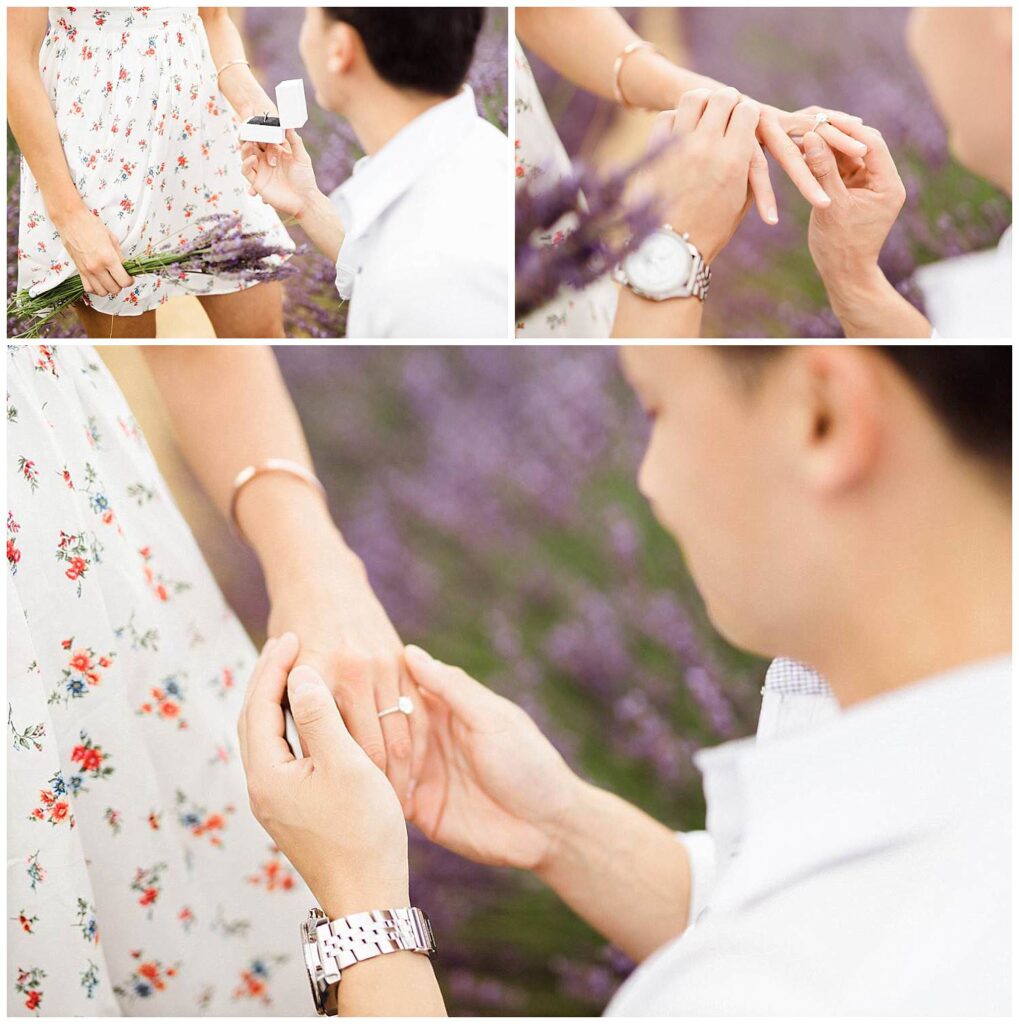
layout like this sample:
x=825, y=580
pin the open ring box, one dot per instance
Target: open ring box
x=293, y=113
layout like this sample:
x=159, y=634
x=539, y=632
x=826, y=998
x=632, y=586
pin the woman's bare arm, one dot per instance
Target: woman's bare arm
x=237, y=82
x=647, y=79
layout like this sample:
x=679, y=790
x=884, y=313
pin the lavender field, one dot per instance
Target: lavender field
x=311, y=306
x=491, y=493
x=851, y=59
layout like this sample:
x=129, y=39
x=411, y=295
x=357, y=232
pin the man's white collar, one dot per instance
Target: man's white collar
x=382, y=178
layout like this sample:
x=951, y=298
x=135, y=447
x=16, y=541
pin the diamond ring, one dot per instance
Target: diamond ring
x=404, y=705
x=820, y=119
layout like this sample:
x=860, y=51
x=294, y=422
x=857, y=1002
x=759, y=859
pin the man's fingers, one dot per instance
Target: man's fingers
x=789, y=158
x=838, y=139
x=296, y=145
x=878, y=158
x=419, y=733
x=760, y=186
x=261, y=732
x=465, y=697
x=690, y=110
x=316, y=715
x=661, y=130
x=821, y=161
x=718, y=111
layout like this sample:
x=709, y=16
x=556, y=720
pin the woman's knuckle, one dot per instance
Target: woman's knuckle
x=400, y=748
x=376, y=752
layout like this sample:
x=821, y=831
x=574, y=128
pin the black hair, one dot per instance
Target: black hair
x=968, y=387
x=425, y=48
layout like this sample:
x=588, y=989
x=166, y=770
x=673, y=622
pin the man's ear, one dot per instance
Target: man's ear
x=341, y=48
x=846, y=395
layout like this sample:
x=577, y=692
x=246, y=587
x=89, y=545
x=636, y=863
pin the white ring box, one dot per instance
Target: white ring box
x=293, y=113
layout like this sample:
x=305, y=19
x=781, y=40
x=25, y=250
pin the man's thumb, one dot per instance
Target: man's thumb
x=315, y=712
x=821, y=161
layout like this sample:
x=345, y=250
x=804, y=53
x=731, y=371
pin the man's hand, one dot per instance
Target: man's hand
x=781, y=134
x=492, y=787
x=332, y=813
x=703, y=179
x=847, y=236
x=281, y=175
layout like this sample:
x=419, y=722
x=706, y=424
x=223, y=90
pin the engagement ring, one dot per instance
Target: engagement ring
x=820, y=119
x=404, y=705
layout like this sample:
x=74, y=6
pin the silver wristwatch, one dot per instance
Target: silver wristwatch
x=667, y=265
x=332, y=946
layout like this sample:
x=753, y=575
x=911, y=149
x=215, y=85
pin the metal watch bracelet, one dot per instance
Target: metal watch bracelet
x=332, y=946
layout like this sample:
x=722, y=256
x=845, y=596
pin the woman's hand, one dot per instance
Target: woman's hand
x=288, y=184
x=321, y=592
x=780, y=131
x=846, y=238
x=332, y=813
x=95, y=251
x=492, y=787
x=703, y=179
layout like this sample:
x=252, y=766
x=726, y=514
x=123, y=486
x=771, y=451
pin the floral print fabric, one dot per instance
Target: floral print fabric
x=151, y=144
x=540, y=153
x=138, y=881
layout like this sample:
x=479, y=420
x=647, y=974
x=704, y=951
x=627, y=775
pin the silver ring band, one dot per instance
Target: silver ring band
x=405, y=706
x=820, y=119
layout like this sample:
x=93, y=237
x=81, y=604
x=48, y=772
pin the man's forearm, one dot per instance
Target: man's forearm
x=868, y=306
x=626, y=874
x=645, y=318
x=322, y=225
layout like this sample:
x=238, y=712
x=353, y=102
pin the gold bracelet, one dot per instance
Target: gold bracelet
x=617, y=70
x=230, y=64
x=249, y=473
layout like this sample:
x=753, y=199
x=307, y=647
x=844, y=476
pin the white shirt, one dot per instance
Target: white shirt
x=873, y=874
x=426, y=250
x=970, y=296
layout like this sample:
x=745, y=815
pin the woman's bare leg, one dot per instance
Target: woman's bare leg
x=253, y=313
x=102, y=325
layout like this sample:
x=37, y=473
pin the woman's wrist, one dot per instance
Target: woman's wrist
x=242, y=90
x=287, y=523
x=651, y=81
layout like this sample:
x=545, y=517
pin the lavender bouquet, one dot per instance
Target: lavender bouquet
x=223, y=248
x=572, y=231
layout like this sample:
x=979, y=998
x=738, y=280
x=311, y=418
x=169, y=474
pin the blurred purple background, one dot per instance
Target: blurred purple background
x=851, y=59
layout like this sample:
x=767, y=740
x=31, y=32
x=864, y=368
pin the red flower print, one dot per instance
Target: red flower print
x=13, y=553
x=78, y=568
x=81, y=660
x=149, y=896
x=59, y=811
x=182, y=161
x=160, y=592
x=66, y=644
x=148, y=970
x=34, y=999
x=105, y=662
x=168, y=709
x=92, y=760
x=520, y=171
x=78, y=754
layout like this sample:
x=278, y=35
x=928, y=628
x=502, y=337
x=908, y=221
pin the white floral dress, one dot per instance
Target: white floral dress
x=150, y=141
x=540, y=154
x=138, y=881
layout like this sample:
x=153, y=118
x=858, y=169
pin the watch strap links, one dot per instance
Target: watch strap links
x=701, y=281
x=358, y=937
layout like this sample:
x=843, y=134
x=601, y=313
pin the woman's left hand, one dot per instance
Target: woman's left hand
x=319, y=590
x=332, y=813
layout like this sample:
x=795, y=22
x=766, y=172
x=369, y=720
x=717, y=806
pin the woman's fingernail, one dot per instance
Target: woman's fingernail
x=771, y=216
x=418, y=654
x=823, y=199
x=269, y=645
x=272, y=161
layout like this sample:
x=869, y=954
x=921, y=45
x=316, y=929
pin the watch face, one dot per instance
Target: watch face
x=661, y=265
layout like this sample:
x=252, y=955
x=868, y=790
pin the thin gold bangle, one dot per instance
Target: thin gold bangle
x=617, y=70
x=230, y=64
x=249, y=473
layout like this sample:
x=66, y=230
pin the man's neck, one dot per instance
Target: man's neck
x=379, y=114
x=928, y=607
